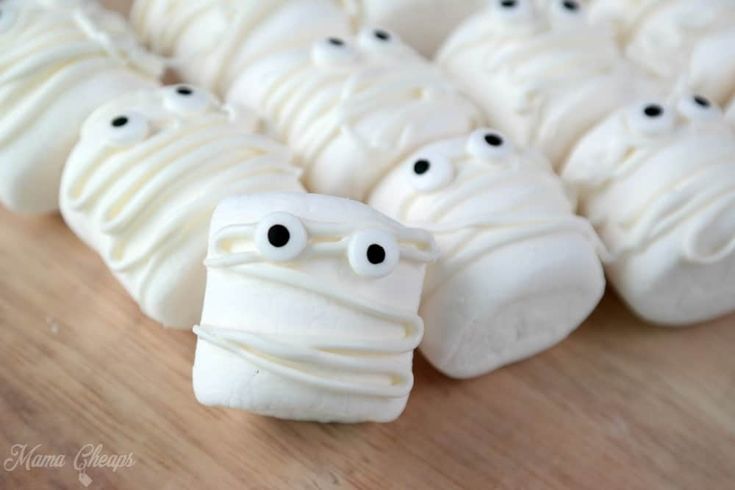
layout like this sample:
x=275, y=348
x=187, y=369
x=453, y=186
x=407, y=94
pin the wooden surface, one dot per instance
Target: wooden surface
x=619, y=405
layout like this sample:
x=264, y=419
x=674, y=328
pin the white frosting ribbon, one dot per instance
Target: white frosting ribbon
x=365, y=366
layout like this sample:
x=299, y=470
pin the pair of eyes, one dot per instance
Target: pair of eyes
x=337, y=50
x=282, y=237
x=524, y=10
x=431, y=172
x=132, y=127
x=653, y=118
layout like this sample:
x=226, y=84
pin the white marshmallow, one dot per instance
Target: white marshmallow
x=657, y=180
x=730, y=115
x=59, y=60
x=211, y=41
x=424, y=24
x=540, y=71
x=519, y=271
x=351, y=109
x=142, y=182
x=679, y=39
x=310, y=309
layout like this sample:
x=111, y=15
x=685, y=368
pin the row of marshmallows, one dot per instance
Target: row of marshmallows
x=311, y=300
x=368, y=118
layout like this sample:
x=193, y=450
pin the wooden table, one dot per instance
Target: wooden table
x=619, y=405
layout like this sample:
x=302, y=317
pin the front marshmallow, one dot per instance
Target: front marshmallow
x=59, y=60
x=657, y=180
x=539, y=70
x=351, y=109
x=519, y=271
x=141, y=185
x=310, y=309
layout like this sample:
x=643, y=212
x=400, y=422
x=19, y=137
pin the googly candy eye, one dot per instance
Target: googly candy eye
x=514, y=10
x=651, y=118
x=333, y=51
x=488, y=144
x=430, y=172
x=376, y=39
x=570, y=9
x=185, y=99
x=373, y=253
x=126, y=129
x=280, y=237
x=698, y=108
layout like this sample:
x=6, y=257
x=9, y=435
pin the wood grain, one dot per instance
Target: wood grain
x=619, y=405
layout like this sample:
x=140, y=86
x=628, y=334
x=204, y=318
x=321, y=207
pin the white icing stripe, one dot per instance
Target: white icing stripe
x=315, y=359
x=681, y=202
x=312, y=366
x=501, y=230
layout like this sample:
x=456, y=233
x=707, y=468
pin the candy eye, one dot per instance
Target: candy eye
x=185, y=99
x=698, y=108
x=333, y=51
x=127, y=129
x=373, y=253
x=280, y=237
x=515, y=10
x=377, y=39
x=651, y=119
x=488, y=144
x=431, y=172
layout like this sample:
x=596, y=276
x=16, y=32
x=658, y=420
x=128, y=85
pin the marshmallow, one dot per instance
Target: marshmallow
x=679, y=39
x=143, y=180
x=423, y=24
x=730, y=116
x=352, y=108
x=519, y=271
x=657, y=180
x=211, y=41
x=540, y=71
x=310, y=309
x=59, y=60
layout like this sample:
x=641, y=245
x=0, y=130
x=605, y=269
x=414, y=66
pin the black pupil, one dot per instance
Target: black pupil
x=701, y=101
x=336, y=41
x=421, y=167
x=653, y=110
x=119, y=122
x=570, y=5
x=382, y=35
x=508, y=3
x=278, y=236
x=493, y=139
x=375, y=254
x=184, y=91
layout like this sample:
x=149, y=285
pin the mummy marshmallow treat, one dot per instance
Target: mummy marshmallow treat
x=679, y=39
x=142, y=182
x=59, y=60
x=210, y=41
x=540, y=71
x=421, y=23
x=351, y=109
x=310, y=309
x=518, y=270
x=657, y=180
